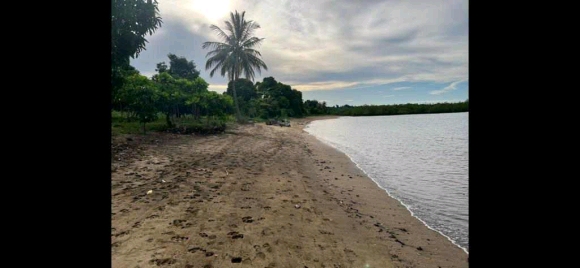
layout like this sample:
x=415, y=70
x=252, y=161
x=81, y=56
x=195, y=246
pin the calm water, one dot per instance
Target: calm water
x=421, y=160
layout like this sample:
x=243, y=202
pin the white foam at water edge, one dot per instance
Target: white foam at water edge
x=387, y=191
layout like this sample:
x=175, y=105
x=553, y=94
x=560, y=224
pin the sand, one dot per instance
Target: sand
x=258, y=196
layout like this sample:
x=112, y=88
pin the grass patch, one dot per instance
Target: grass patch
x=203, y=127
x=121, y=124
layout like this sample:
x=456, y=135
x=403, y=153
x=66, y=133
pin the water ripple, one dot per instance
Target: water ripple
x=421, y=160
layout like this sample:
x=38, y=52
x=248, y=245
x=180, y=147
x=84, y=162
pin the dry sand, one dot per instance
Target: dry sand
x=258, y=196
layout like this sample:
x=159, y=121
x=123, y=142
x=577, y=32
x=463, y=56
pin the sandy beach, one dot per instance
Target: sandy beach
x=258, y=196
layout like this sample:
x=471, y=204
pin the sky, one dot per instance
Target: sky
x=337, y=51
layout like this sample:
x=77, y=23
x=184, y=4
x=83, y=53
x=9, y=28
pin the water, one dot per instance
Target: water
x=421, y=160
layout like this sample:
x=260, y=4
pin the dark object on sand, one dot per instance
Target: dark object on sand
x=284, y=123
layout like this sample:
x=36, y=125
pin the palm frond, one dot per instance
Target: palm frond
x=252, y=52
x=219, y=50
x=230, y=28
x=236, y=56
x=238, y=25
x=212, y=45
x=211, y=73
x=220, y=33
x=252, y=42
x=249, y=28
x=246, y=66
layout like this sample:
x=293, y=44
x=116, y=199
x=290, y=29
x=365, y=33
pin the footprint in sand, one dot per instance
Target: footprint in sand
x=235, y=235
x=160, y=262
x=195, y=249
x=122, y=233
x=267, y=247
x=178, y=238
x=177, y=223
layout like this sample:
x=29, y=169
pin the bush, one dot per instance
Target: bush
x=199, y=127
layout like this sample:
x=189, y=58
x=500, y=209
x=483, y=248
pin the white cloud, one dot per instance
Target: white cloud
x=452, y=86
x=325, y=45
x=436, y=101
x=327, y=85
x=217, y=88
x=401, y=88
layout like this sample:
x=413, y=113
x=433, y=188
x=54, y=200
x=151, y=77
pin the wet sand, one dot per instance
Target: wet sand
x=258, y=196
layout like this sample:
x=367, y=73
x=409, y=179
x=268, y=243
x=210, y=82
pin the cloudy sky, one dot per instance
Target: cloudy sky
x=339, y=51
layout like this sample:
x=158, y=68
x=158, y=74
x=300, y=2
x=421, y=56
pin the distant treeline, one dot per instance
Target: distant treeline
x=314, y=107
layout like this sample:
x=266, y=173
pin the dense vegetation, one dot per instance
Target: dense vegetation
x=314, y=107
x=177, y=99
x=177, y=93
x=267, y=99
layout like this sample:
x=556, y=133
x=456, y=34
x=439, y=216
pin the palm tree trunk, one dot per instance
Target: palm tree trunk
x=238, y=115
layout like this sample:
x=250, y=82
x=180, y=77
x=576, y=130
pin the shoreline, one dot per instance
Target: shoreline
x=386, y=190
x=265, y=196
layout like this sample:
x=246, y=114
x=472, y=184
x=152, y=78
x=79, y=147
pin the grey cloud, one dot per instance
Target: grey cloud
x=347, y=41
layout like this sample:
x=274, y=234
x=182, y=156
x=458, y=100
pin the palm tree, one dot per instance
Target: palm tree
x=236, y=54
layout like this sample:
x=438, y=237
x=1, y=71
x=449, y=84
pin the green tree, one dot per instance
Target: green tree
x=236, y=54
x=161, y=67
x=179, y=67
x=175, y=93
x=245, y=90
x=117, y=95
x=131, y=20
x=280, y=98
x=142, y=98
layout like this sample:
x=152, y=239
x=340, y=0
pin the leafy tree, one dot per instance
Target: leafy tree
x=131, y=20
x=175, y=93
x=179, y=67
x=236, y=54
x=161, y=67
x=118, y=79
x=281, y=98
x=142, y=98
x=246, y=91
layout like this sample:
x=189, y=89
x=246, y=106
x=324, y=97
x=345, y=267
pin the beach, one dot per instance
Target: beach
x=258, y=196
